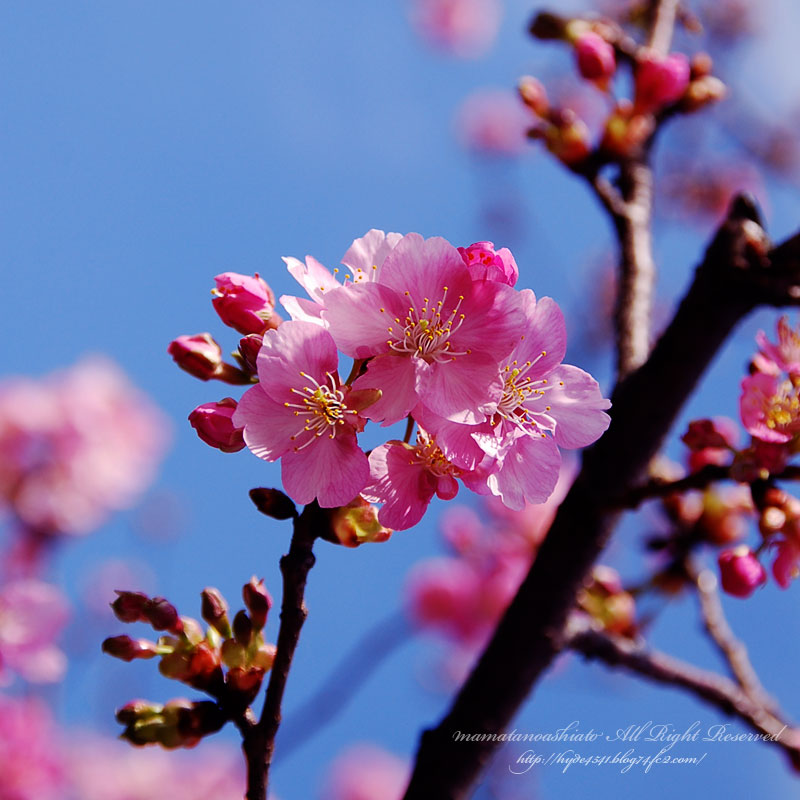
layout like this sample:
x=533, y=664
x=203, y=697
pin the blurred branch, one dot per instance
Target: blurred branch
x=344, y=682
x=732, y=649
x=259, y=739
x=716, y=690
x=662, y=24
x=738, y=273
x=656, y=487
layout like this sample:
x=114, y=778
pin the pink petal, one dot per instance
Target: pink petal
x=402, y=484
x=268, y=425
x=291, y=349
x=577, y=405
x=545, y=331
x=332, y=470
x=529, y=471
x=312, y=276
x=462, y=390
x=357, y=323
x=456, y=441
x=394, y=376
x=370, y=251
x=301, y=309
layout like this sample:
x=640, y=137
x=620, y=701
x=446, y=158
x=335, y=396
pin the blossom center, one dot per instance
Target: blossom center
x=428, y=454
x=783, y=408
x=426, y=330
x=518, y=390
x=322, y=408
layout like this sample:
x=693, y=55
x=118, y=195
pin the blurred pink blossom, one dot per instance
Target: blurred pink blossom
x=76, y=445
x=30, y=756
x=465, y=28
x=494, y=122
x=32, y=615
x=366, y=772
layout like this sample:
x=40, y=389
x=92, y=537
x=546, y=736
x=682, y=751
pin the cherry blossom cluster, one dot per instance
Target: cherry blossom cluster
x=227, y=661
x=439, y=338
x=720, y=515
x=661, y=85
x=75, y=446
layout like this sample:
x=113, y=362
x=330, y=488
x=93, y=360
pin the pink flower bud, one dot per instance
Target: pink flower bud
x=568, y=138
x=245, y=303
x=741, y=572
x=660, y=81
x=785, y=567
x=595, y=58
x=717, y=433
x=249, y=348
x=258, y=602
x=214, y=425
x=199, y=355
x=128, y=649
x=486, y=263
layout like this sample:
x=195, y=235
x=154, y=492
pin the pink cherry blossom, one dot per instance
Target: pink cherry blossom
x=363, y=260
x=785, y=355
x=30, y=754
x=785, y=568
x=245, y=302
x=301, y=413
x=405, y=479
x=32, y=615
x=484, y=262
x=75, y=446
x=465, y=28
x=366, y=772
x=437, y=336
x=770, y=408
x=493, y=122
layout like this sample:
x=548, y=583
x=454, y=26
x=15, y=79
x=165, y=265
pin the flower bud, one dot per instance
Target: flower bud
x=242, y=628
x=215, y=611
x=258, y=602
x=249, y=348
x=595, y=59
x=163, y=616
x=626, y=131
x=486, y=263
x=703, y=92
x=214, y=425
x=245, y=303
x=355, y=524
x=199, y=355
x=130, y=606
x=273, y=502
x=660, y=81
x=246, y=682
x=741, y=572
x=534, y=95
x=567, y=138
x=785, y=567
x=137, y=709
x=127, y=649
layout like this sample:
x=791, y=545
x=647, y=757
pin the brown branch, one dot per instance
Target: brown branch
x=662, y=25
x=716, y=690
x=731, y=648
x=657, y=487
x=259, y=738
x=736, y=275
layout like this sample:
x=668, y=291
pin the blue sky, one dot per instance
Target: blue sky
x=147, y=146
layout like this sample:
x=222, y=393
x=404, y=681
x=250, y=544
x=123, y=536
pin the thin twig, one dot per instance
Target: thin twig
x=717, y=690
x=730, y=647
x=259, y=739
x=662, y=25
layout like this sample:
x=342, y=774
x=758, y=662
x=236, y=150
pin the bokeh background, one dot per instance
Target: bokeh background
x=146, y=147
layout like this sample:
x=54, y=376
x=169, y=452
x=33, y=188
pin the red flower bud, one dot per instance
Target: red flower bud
x=741, y=572
x=199, y=355
x=215, y=610
x=245, y=303
x=214, y=425
x=258, y=602
x=163, y=616
x=128, y=649
x=130, y=606
x=595, y=58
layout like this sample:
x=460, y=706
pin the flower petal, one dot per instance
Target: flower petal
x=394, y=376
x=577, y=405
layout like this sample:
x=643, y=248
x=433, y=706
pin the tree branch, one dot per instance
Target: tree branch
x=662, y=25
x=732, y=649
x=716, y=690
x=259, y=738
x=736, y=275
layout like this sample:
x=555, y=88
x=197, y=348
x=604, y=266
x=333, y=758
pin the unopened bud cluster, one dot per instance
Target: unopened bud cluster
x=661, y=84
x=227, y=661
